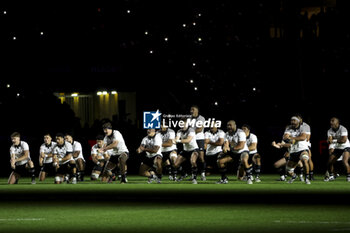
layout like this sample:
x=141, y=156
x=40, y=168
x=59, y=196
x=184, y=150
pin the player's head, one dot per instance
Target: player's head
x=246, y=129
x=295, y=122
x=334, y=123
x=184, y=124
x=231, y=126
x=213, y=129
x=194, y=110
x=60, y=138
x=107, y=128
x=99, y=140
x=47, y=139
x=151, y=132
x=300, y=117
x=68, y=137
x=15, y=138
x=163, y=128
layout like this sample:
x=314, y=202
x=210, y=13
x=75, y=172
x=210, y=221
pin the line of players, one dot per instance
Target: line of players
x=159, y=149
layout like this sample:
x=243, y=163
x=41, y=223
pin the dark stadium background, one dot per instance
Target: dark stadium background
x=254, y=77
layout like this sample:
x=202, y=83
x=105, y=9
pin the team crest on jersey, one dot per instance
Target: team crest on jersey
x=151, y=120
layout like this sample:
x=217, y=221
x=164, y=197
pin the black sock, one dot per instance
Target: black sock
x=194, y=172
x=257, y=170
x=32, y=173
x=204, y=166
x=168, y=169
x=223, y=173
x=82, y=173
x=281, y=171
x=249, y=171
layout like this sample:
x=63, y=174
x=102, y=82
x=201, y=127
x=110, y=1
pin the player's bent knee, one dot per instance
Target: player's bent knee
x=94, y=176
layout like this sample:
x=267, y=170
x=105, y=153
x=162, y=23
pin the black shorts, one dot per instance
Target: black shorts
x=200, y=144
x=166, y=155
x=149, y=161
x=211, y=160
x=63, y=169
x=97, y=168
x=187, y=154
x=339, y=152
x=295, y=157
x=234, y=156
x=115, y=158
x=21, y=169
x=48, y=168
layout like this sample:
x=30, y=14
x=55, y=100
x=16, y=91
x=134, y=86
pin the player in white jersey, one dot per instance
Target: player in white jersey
x=99, y=159
x=77, y=156
x=151, y=150
x=254, y=156
x=187, y=136
x=199, y=138
x=307, y=129
x=235, y=147
x=169, y=150
x=299, y=150
x=45, y=157
x=213, y=141
x=341, y=148
x=114, y=142
x=63, y=160
x=20, y=159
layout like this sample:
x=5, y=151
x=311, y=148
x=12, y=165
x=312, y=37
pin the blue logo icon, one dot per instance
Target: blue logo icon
x=151, y=120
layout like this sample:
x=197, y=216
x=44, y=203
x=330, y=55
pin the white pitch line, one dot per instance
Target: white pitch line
x=21, y=219
x=311, y=222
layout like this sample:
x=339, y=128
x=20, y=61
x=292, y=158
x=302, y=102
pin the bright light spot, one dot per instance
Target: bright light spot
x=193, y=64
x=18, y=94
x=194, y=23
x=184, y=25
x=4, y=12
x=99, y=93
x=166, y=38
x=114, y=92
x=199, y=39
x=254, y=89
x=104, y=92
x=8, y=85
x=128, y=11
x=41, y=33
x=146, y=32
x=199, y=15
x=74, y=94
x=14, y=38
x=191, y=81
x=195, y=88
x=216, y=103
x=151, y=51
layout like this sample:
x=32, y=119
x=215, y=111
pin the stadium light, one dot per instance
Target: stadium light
x=8, y=86
x=74, y=94
x=191, y=81
x=195, y=88
x=104, y=92
x=99, y=93
x=114, y=92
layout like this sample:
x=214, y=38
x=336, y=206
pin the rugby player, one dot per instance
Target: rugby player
x=213, y=141
x=114, y=141
x=169, y=150
x=187, y=136
x=21, y=162
x=99, y=159
x=199, y=138
x=45, y=157
x=77, y=156
x=341, y=148
x=254, y=156
x=235, y=147
x=151, y=145
x=63, y=160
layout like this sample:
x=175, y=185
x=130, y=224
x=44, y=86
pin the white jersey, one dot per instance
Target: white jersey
x=199, y=118
x=149, y=142
x=235, y=138
x=95, y=151
x=62, y=151
x=307, y=130
x=47, y=149
x=19, y=150
x=192, y=145
x=337, y=134
x=77, y=147
x=252, y=138
x=169, y=134
x=299, y=145
x=214, y=137
x=116, y=136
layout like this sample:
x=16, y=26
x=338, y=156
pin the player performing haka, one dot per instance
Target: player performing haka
x=235, y=147
x=20, y=160
x=169, y=150
x=213, y=142
x=254, y=156
x=100, y=160
x=77, y=156
x=151, y=145
x=45, y=157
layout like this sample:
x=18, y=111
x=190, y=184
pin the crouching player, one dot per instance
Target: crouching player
x=20, y=159
x=100, y=160
x=45, y=158
x=213, y=141
x=151, y=145
x=63, y=160
x=169, y=150
x=298, y=149
x=77, y=156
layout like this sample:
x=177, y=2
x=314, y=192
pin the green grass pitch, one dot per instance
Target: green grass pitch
x=206, y=207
